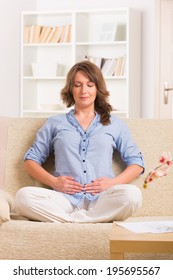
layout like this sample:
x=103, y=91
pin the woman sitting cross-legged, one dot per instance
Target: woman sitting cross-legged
x=84, y=188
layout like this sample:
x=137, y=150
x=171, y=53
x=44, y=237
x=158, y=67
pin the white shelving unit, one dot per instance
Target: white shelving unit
x=94, y=33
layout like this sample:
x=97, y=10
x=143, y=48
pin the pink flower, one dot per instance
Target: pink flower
x=161, y=170
x=166, y=158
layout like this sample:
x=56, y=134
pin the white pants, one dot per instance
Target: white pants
x=40, y=204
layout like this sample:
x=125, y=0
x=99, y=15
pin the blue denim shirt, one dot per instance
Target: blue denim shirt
x=84, y=155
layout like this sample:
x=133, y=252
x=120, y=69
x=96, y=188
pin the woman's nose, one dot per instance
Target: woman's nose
x=84, y=89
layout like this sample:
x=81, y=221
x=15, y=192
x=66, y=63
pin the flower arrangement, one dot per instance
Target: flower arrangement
x=161, y=170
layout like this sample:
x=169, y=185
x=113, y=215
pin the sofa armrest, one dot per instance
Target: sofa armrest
x=7, y=204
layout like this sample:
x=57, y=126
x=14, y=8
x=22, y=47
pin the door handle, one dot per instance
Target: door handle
x=166, y=91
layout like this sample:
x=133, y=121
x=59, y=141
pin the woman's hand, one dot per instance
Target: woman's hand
x=103, y=183
x=66, y=184
x=99, y=185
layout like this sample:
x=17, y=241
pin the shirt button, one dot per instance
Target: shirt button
x=83, y=149
x=83, y=160
x=84, y=171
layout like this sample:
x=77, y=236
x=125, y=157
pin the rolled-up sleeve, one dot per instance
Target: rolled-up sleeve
x=42, y=146
x=128, y=149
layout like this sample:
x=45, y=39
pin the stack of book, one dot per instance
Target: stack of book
x=109, y=66
x=37, y=34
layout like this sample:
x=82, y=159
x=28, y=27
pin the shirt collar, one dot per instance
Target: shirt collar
x=71, y=118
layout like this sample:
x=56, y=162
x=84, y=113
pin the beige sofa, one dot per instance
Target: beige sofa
x=23, y=239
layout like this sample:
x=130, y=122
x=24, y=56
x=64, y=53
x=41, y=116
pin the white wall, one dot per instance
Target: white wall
x=10, y=54
x=10, y=46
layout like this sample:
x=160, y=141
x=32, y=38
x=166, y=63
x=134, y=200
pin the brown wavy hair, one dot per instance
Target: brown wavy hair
x=94, y=74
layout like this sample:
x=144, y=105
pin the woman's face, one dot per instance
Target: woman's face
x=84, y=91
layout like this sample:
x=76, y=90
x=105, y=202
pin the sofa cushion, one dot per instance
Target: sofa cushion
x=29, y=240
x=3, y=147
x=6, y=206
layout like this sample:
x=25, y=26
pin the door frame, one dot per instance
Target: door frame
x=157, y=38
x=158, y=87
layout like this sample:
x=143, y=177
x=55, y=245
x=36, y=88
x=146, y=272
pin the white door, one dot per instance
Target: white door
x=166, y=60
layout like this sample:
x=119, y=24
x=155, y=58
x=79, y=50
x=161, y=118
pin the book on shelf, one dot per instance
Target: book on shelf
x=26, y=34
x=95, y=60
x=120, y=65
x=31, y=34
x=47, y=34
x=62, y=34
x=51, y=34
x=56, y=35
x=43, y=30
x=46, y=30
x=36, y=33
x=109, y=66
x=67, y=34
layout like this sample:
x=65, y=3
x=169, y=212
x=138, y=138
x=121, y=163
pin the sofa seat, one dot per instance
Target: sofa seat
x=21, y=239
x=30, y=240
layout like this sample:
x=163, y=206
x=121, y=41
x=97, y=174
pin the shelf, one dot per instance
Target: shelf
x=115, y=77
x=45, y=111
x=43, y=78
x=44, y=45
x=101, y=43
x=103, y=34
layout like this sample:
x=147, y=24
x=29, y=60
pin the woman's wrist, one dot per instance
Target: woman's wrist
x=51, y=181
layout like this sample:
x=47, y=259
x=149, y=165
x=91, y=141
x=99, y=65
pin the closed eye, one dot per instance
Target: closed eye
x=78, y=84
x=90, y=84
